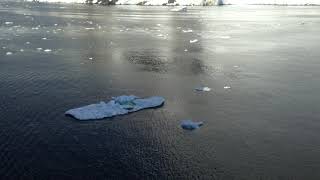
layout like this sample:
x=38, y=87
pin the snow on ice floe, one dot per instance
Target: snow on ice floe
x=190, y=125
x=9, y=53
x=117, y=106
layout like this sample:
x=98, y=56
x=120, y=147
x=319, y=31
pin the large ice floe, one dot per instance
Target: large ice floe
x=117, y=106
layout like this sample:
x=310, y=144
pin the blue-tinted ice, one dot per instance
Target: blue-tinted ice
x=117, y=106
x=190, y=125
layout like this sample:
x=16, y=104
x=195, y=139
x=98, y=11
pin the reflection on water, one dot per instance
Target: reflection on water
x=264, y=127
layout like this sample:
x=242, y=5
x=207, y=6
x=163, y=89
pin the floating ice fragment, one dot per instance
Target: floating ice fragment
x=8, y=23
x=44, y=38
x=90, y=58
x=194, y=41
x=9, y=53
x=47, y=50
x=223, y=37
x=186, y=50
x=179, y=9
x=90, y=28
x=190, y=125
x=117, y=106
x=39, y=49
x=227, y=87
x=21, y=50
x=187, y=31
x=205, y=89
x=160, y=35
x=27, y=42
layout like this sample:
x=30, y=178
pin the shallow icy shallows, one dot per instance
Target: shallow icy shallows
x=117, y=106
x=190, y=125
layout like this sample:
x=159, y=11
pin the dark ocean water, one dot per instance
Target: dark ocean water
x=266, y=126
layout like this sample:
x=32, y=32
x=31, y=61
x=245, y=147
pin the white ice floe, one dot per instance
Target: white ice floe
x=39, y=49
x=27, y=42
x=21, y=50
x=117, y=106
x=194, y=41
x=9, y=53
x=204, y=89
x=90, y=28
x=187, y=31
x=190, y=125
x=47, y=50
x=90, y=58
x=179, y=9
x=44, y=38
x=227, y=87
x=8, y=23
x=222, y=37
x=186, y=50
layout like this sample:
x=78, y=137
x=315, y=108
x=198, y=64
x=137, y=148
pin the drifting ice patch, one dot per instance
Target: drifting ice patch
x=190, y=125
x=47, y=50
x=187, y=31
x=194, y=41
x=117, y=106
x=205, y=89
x=8, y=23
x=179, y=9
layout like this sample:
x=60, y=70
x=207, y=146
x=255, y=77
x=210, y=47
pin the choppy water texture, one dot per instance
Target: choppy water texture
x=265, y=125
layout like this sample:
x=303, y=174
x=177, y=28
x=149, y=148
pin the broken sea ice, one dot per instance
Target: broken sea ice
x=117, y=106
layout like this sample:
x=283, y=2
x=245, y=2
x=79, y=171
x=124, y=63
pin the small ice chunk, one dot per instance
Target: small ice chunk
x=90, y=28
x=186, y=50
x=47, y=50
x=39, y=49
x=160, y=35
x=194, y=41
x=21, y=50
x=55, y=24
x=223, y=37
x=44, y=38
x=27, y=42
x=227, y=87
x=8, y=23
x=179, y=9
x=9, y=53
x=187, y=31
x=204, y=89
x=117, y=106
x=90, y=58
x=190, y=125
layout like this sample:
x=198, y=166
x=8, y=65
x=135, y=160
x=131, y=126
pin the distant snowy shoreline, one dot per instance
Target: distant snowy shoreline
x=190, y=2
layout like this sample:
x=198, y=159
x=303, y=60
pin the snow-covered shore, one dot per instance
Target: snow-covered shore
x=197, y=2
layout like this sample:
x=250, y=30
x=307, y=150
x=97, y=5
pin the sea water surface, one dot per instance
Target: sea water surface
x=265, y=126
